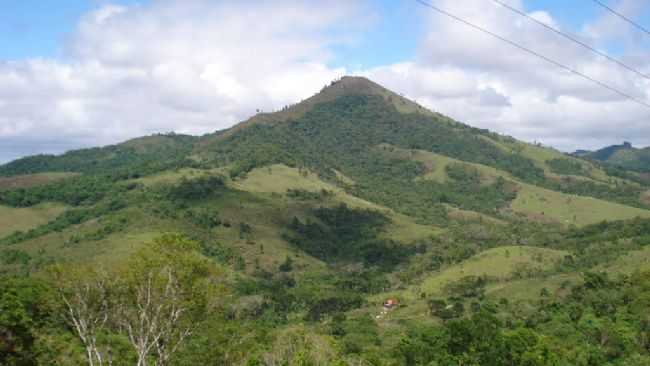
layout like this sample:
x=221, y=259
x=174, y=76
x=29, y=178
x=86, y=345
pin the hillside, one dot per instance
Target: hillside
x=291, y=230
x=625, y=156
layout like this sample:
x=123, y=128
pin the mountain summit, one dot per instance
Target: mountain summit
x=344, y=87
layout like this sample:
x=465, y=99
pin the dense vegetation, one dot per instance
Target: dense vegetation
x=132, y=159
x=565, y=166
x=353, y=124
x=343, y=234
x=622, y=156
x=360, y=249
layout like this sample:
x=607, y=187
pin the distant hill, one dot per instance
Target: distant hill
x=625, y=156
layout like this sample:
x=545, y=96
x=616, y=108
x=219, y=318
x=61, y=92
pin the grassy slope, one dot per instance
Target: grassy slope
x=540, y=155
x=259, y=200
x=629, y=262
x=543, y=204
x=277, y=179
x=498, y=264
x=112, y=249
x=31, y=180
x=534, y=202
x=24, y=219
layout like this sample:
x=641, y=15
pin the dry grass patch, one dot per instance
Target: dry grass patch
x=24, y=219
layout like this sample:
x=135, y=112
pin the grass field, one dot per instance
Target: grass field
x=436, y=164
x=31, y=180
x=629, y=262
x=541, y=154
x=515, y=272
x=173, y=176
x=279, y=178
x=543, y=204
x=23, y=219
x=498, y=264
x=536, y=203
x=529, y=289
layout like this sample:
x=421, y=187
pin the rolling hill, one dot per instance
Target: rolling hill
x=497, y=251
x=625, y=156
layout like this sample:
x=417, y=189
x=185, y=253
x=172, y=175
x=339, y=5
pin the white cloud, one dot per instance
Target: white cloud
x=485, y=82
x=193, y=66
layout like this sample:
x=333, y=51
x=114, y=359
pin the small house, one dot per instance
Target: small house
x=390, y=303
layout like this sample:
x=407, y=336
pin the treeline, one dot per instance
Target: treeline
x=76, y=191
x=137, y=157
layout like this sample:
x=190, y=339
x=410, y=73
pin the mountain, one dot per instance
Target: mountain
x=625, y=156
x=306, y=221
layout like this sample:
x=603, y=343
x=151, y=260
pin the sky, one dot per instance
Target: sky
x=82, y=73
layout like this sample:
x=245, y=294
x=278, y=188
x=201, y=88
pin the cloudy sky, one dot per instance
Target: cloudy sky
x=80, y=73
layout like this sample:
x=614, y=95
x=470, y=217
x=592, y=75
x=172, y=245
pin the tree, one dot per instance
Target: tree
x=287, y=265
x=163, y=295
x=84, y=293
x=23, y=307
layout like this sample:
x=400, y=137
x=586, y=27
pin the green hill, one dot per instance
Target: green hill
x=283, y=237
x=625, y=156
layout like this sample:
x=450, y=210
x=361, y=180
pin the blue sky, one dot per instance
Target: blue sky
x=196, y=66
x=38, y=28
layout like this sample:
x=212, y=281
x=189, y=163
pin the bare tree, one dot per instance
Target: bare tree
x=153, y=316
x=155, y=302
x=84, y=294
x=161, y=297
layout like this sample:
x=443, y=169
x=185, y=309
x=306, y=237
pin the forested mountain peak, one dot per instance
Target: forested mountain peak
x=347, y=86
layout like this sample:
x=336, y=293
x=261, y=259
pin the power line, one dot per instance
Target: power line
x=635, y=24
x=534, y=53
x=573, y=39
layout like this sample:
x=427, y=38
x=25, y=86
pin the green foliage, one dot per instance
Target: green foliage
x=244, y=230
x=627, y=194
x=196, y=189
x=23, y=310
x=623, y=156
x=155, y=302
x=285, y=307
x=205, y=217
x=303, y=195
x=132, y=159
x=67, y=219
x=76, y=191
x=341, y=134
x=446, y=310
x=481, y=340
x=468, y=286
x=333, y=304
x=14, y=256
x=565, y=166
x=344, y=234
x=110, y=225
x=287, y=265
